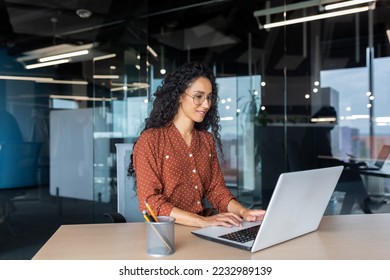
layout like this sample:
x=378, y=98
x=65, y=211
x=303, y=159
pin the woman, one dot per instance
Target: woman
x=175, y=157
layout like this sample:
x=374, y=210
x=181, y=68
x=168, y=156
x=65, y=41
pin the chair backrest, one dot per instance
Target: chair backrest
x=127, y=197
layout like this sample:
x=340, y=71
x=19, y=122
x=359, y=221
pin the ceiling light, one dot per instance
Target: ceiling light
x=382, y=119
x=323, y=119
x=53, y=50
x=25, y=78
x=302, y=5
x=63, y=55
x=106, y=76
x=356, y=117
x=149, y=48
x=315, y=17
x=65, y=82
x=81, y=98
x=44, y=64
x=107, y=56
x=132, y=85
x=345, y=4
x=117, y=89
x=83, y=13
x=42, y=80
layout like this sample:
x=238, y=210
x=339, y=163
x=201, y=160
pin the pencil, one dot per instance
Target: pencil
x=151, y=212
x=145, y=216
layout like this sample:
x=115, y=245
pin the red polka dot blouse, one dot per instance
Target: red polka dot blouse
x=171, y=174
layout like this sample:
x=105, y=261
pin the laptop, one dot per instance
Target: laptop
x=381, y=159
x=296, y=207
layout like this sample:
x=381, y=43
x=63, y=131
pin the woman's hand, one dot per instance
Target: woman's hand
x=230, y=219
x=227, y=219
x=250, y=215
x=222, y=219
x=237, y=213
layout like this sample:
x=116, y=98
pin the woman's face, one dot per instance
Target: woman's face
x=196, y=100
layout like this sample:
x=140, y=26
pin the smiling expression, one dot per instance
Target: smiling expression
x=196, y=100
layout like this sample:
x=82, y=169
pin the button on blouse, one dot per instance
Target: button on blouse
x=171, y=174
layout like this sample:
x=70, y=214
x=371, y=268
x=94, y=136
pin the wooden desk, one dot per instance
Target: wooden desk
x=338, y=237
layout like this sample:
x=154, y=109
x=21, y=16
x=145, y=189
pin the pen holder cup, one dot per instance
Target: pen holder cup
x=160, y=236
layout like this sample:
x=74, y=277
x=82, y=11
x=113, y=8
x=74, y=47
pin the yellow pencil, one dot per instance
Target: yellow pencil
x=145, y=216
x=151, y=211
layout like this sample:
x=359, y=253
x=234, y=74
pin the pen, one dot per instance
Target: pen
x=151, y=212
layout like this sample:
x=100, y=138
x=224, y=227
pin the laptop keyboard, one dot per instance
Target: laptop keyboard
x=243, y=235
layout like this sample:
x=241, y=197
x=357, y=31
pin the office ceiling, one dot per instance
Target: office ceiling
x=217, y=32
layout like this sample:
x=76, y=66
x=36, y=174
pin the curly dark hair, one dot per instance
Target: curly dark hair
x=166, y=102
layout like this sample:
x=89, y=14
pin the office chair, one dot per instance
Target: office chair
x=128, y=210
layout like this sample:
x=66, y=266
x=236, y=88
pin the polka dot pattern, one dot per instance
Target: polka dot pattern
x=172, y=174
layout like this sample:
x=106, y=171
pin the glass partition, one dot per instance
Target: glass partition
x=238, y=107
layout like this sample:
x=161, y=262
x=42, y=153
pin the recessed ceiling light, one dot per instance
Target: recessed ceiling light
x=83, y=13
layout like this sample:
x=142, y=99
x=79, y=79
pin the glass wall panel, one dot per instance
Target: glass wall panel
x=121, y=98
x=238, y=107
x=59, y=123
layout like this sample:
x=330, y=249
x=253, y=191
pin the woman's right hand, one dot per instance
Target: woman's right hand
x=227, y=219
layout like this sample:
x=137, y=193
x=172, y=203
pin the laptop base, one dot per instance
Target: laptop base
x=242, y=247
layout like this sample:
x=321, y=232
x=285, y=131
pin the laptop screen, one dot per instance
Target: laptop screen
x=382, y=157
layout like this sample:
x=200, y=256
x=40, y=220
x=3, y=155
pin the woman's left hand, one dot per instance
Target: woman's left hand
x=250, y=215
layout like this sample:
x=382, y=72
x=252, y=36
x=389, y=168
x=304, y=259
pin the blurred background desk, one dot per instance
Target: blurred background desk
x=377, y=184
x=375, y=173
x=338, y=237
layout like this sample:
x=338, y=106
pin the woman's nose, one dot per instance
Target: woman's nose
x=206, y=103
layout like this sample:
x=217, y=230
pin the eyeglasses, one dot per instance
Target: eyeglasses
x=199, y=98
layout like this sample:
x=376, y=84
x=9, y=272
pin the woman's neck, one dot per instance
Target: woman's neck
x=185, y=127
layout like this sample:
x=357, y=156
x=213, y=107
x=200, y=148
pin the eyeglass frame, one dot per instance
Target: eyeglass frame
x=209, y=99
